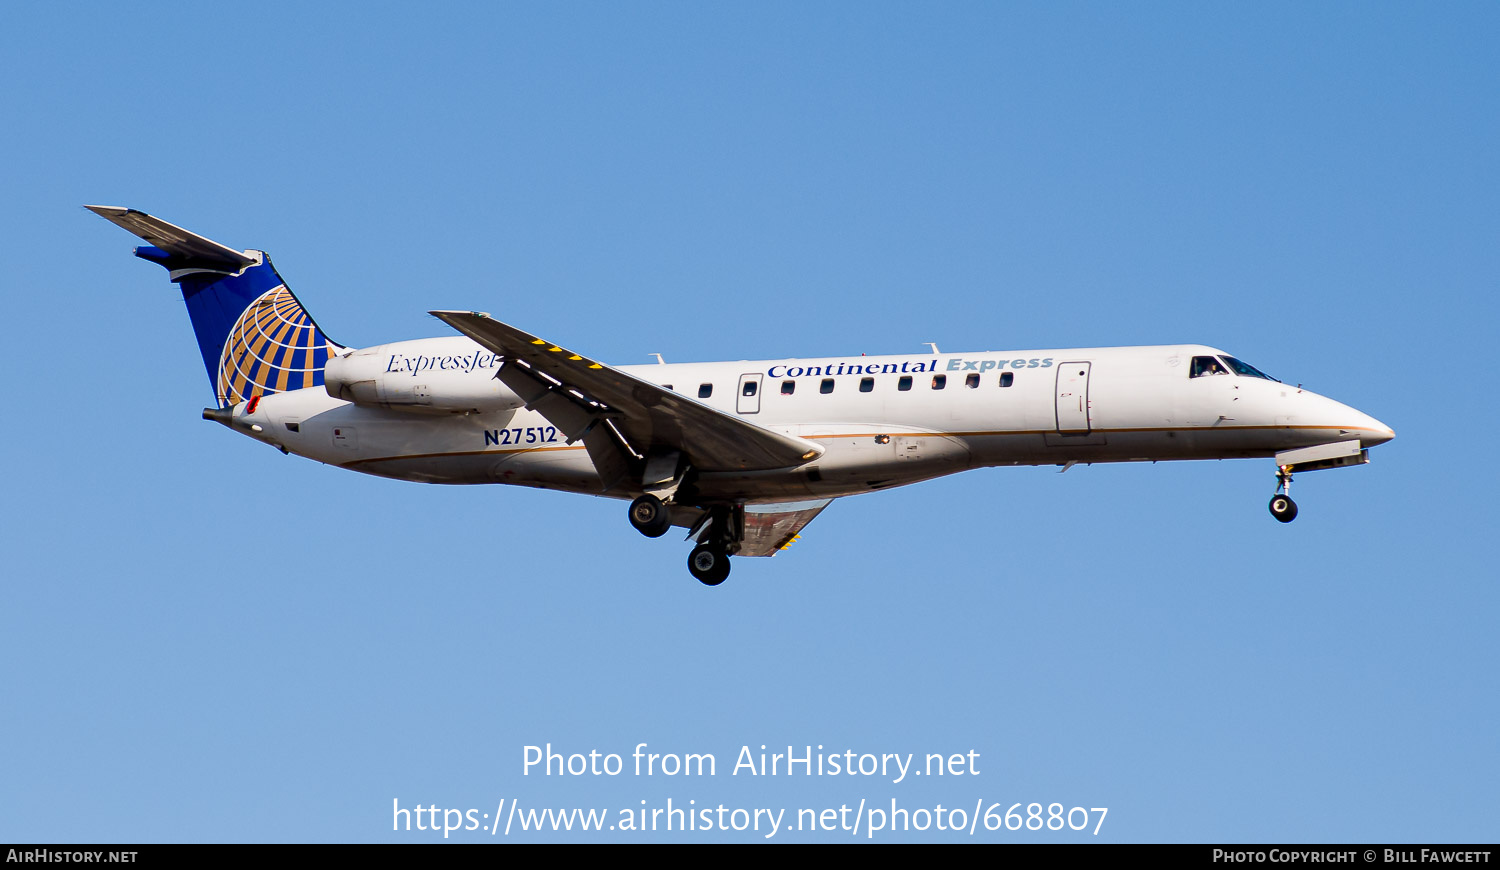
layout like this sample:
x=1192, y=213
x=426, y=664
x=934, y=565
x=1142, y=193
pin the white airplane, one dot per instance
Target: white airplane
x=742, y=454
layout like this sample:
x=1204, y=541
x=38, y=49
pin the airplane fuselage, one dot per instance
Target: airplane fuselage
x=882, y=421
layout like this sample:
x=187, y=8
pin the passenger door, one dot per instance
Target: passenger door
x=1073, y=397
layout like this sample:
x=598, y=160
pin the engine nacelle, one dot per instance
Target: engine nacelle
x=435, y=376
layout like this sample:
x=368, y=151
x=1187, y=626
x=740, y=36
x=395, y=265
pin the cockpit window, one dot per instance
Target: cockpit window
x=1246, y=369
x=1204, y=366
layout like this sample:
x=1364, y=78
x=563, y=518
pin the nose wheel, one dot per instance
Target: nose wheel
x=1282, y=506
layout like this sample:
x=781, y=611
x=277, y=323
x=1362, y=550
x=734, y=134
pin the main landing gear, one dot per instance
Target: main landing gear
x=1282, y=506
x=649, y=516
x=717, y=534
x=709, y=561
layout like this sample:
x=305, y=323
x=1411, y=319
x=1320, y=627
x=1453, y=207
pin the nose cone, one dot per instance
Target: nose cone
x=1319, y=419
x=1375, y=432
x=1340, y=422
x=1369, y=430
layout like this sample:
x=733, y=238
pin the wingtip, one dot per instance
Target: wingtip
x=444, y=315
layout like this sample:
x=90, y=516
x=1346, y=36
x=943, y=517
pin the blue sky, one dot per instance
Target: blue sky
x=204, y=640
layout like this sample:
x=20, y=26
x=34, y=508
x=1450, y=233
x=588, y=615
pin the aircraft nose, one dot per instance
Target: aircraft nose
x=1345, y=423
x=1370, y=430
x=1377, y=432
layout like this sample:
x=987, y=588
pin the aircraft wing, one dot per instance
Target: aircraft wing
x=771, y=528
x=578, y=394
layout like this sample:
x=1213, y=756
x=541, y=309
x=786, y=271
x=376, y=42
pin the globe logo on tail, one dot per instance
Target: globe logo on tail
x=273, y=347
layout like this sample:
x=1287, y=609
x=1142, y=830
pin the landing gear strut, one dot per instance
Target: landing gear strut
x=1282, y=506
x=650, y=517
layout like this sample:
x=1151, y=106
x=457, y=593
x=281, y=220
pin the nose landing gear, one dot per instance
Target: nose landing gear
x=1282, y=506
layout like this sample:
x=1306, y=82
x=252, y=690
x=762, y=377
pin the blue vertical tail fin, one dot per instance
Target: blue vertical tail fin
x=255, y=336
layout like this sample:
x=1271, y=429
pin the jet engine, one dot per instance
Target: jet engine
x=419, y=377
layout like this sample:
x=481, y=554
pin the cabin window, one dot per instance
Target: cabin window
x=1007, y=378
x=1205, y=366
x=866, y=384
x=705, y=390
x=904, y=384
x=788, y=387
x=972, y=382
x=939, y=381
x=749, y=388
x=826, y=386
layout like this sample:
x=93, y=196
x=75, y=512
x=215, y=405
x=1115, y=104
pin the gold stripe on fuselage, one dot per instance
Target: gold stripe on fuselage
x=893, y=434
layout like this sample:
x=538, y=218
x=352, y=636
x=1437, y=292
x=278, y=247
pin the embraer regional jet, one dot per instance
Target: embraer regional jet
x=742, y=454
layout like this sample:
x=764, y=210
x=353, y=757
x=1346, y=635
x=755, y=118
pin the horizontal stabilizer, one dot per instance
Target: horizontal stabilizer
x=190, y=247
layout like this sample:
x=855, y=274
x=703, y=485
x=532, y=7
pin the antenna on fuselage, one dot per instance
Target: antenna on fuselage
x=932, y=345
x=659, y=360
